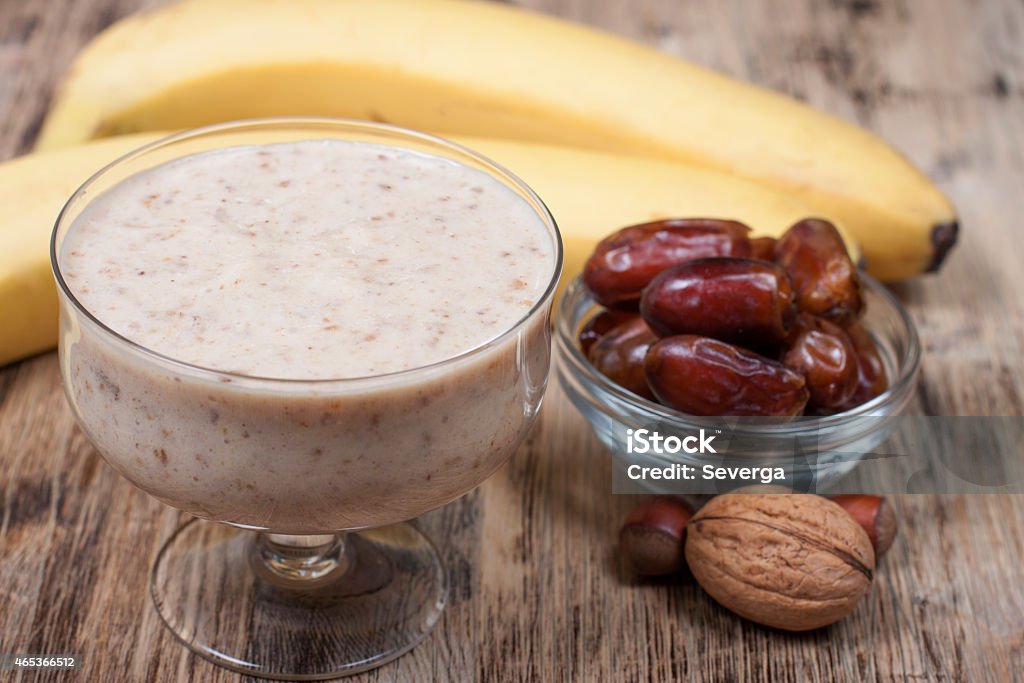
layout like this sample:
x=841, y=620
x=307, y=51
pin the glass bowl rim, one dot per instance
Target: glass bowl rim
x=573, y=357
x=297, y=123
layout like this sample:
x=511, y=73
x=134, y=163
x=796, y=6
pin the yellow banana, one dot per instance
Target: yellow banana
x=33, y=189
x=589, y=193
x=476, y=68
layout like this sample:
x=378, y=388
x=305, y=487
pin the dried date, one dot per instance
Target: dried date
x=823, y=275
x=703, y=376
x=623, y=263
x=763, y=248
x=620, y=354
x=871, y=376
x=742, y=301
x=825, y=356
x=600, y=325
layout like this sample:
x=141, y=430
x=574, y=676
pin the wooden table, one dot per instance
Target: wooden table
x=539, y=593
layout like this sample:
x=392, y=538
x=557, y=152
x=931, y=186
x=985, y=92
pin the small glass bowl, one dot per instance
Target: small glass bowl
x=814, y=452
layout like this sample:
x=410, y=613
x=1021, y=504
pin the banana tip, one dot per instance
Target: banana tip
x=944, y=237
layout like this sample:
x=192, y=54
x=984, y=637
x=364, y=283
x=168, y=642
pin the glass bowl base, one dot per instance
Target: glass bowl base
x=386, y=596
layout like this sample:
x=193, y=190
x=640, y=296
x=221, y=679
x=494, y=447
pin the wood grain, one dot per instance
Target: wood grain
x=538, y=592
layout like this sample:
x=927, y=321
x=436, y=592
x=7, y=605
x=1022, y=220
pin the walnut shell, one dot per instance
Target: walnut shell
x=791, y=561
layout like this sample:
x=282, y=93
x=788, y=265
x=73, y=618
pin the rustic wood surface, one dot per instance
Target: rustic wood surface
x=538, y=592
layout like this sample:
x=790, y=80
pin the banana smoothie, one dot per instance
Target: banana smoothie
x=324, y=334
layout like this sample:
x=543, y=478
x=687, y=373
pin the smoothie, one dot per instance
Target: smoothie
x=326, y=331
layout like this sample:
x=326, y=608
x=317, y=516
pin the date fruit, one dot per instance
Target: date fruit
x=653, y=534
x=624, y=262
x=742, y=301
x=871, y=377
x=703, y=376
x=876, y=517
x=825, y=278
x=825, y=356
x=620, y=354
x=600, y=325
x=790, y=561
x=763, y=248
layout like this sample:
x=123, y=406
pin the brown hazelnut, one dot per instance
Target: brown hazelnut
x=652, y=536
x=875, y=515
x=791, y=561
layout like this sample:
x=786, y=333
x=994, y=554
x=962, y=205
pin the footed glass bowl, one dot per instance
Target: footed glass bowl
x=300, y=564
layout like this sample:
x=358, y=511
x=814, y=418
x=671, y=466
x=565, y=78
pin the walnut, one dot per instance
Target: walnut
x=791, y=561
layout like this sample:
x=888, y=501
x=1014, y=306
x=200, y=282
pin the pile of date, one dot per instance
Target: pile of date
x=707, y=320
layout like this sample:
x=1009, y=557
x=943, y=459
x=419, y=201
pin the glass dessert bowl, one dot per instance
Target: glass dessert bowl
x=326, y=578
x=814, y=453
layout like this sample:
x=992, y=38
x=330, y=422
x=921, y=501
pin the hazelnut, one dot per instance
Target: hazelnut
x=791, y=561
x=875, y=515
x=652, y=536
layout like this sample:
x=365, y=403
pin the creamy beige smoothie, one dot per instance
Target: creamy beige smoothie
x=313, y=261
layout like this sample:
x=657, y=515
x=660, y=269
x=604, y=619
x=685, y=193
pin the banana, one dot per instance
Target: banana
x=476, y=68
x=33, y=189
x=590, y=194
